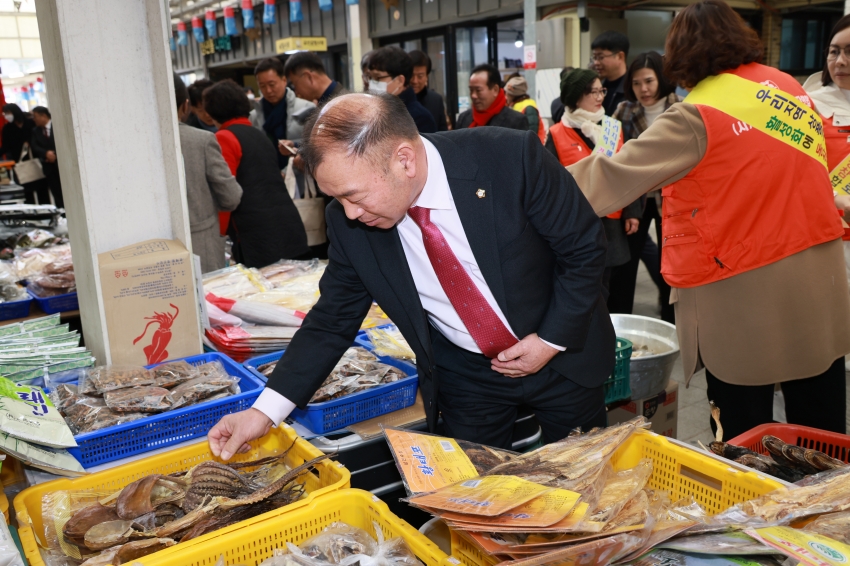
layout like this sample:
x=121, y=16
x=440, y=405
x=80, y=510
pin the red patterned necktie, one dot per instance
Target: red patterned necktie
x=480, y=319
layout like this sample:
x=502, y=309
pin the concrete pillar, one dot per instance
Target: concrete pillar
x=846, y=7
x=771, y=36
x=108, y=70
x=530, y=36
x=359, y=42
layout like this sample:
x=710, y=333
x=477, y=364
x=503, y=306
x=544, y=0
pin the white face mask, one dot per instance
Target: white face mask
x=377, y=87
x=10, y=118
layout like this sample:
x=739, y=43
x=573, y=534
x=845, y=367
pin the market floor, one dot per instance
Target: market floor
x=693, y=403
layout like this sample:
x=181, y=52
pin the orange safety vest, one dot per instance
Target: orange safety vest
x=837, y=142
x=572, y=149
x=751, y=201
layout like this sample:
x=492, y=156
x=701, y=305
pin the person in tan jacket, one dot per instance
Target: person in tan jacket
x=787, y=321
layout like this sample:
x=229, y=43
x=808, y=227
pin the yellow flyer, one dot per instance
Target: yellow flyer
x=426, y=462
x=809, y=548
x=489, y=496
x=543, y=511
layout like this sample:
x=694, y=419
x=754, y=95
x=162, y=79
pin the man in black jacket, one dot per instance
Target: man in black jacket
x=427, y=97
x=481, y=249
x=489, y=107
x=44, y=148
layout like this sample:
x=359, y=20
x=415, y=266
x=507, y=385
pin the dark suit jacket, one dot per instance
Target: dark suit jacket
x=537, y=241
x=432, y=100
x=507, y=118
x=41, y=144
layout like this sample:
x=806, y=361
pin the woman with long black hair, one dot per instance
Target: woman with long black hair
x=16, y=135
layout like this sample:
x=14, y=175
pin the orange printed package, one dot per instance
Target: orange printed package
x=427, y=462
x=489, y=496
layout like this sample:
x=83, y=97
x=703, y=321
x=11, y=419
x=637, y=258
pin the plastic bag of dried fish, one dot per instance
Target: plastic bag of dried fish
x=390, y=343
x=832, y=525
x=348, y=380
x=619, y=488
x=393, y=552
x=428, y=462
x=200, y=388
x=89, y=414
x=110, y=378
x=139, y=400
x=64, y=395
x=170, y=374
x=337, y=542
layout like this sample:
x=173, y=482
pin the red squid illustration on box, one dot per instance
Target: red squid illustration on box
x=155, y=351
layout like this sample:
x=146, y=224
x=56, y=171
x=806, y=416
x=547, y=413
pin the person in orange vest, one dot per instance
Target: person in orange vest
x=829, y=90
x=516, y=95
x=582, y=129
x=752, y=238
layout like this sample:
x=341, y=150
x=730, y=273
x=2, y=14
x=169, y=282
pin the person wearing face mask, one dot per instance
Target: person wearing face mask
x=17, y=133
x=390, y=71
x=584, y=128
x=489, y=104
x=648, y=94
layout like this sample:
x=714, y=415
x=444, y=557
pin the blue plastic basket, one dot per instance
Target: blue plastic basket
x=339, y=413
x=172, y=427
x=59, y=303
x=15, y=309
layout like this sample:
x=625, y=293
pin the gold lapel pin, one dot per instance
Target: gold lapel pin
x=480, y=193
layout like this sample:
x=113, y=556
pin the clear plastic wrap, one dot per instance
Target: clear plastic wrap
x=148, y=399
x=199, y=388
x=220, y=318
x=389, y=342
x=53, y=284
x=265, y=314
x=170, y=374
x=64, y=395
x=393, y=552
x=288, y=269
x=620, y=487
x=89, y=414
x=733, y=543
x=337, y=542
x=356, y=371
x=833, y=525
x=110, y=378
x=235, y=282
x=489, y=496
x=32, y=262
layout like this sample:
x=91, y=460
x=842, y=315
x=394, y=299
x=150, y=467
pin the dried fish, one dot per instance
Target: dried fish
x=136, y=549
x=78, y=525
x=805, y=459
x=833, y=525
x=108, y=534
x=483, y=457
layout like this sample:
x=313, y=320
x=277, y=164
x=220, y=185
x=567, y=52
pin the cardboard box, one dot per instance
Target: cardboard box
x=662, y=410
x=149, y=298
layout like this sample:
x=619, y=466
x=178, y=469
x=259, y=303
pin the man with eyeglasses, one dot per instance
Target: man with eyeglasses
x=608, y=58
x=390, y=71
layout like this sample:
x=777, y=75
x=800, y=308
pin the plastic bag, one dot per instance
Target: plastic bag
x=389, y=342
x=199, y=388
x=356, y=371
x=288, y=269
x=486, y=495
x=139, y=400
x=89, y=414
x=337, y=542
x=388, y=553
x=235, y=282
x=169, y=374
x=64, y=395
x=54, y=284
x=258, y=313
x=620, y=487
x=220, y=318
x=833, y=525
x=9, y=555
x=54, y=460
x=29, y=414
x=110, y=378
x=733, y=543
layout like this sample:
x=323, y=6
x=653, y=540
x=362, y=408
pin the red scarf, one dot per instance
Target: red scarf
x=483, y=118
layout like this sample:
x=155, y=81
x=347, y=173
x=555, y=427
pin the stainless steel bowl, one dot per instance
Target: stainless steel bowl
x=649, y=373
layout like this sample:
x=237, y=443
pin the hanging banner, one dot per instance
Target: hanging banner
x=295, y=14
x=326, y=5
x=248, y=14
x=209, y=20
x=269, y=12
x=198, y=29
x=171, y=44
x=229, y=21
x=351, y=2
x=182, y=36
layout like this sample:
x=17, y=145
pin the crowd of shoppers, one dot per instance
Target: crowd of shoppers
x=26, y=136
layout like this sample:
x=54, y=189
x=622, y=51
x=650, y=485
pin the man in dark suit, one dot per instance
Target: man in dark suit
x=44, y=147
x=306, y=73
x=480, y=247
x=489, y=106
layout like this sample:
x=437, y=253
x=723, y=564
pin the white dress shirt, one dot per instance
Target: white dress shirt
x=436, y=196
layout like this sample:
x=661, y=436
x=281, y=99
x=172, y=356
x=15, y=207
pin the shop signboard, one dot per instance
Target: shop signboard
x=290, y=44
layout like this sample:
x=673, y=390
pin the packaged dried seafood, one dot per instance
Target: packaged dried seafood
x=64, y=395
x=200, y=388
x=487, y=495
x=337, y=542
x=620, y=487
x=170, y=374
x=53, y=284
x=139, y=400
x=833, y=525
x=339, y=384
x=110, y=378
x=29, y=414
x=733, y=543
x=54, y=460
x=807, y=548
x=428, y=462
x=665, y=557
x=89, y=414
x=258, y=313
x=389, y=342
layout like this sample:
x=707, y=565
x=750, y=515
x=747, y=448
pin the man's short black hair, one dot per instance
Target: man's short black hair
x=421, y=59
x=612, y=41
x=181, y=93
x=393, y=61
x=42, y=110
x=225, y=100
x=364, y=61
x=494, y=77
x=270, y=64
x=304, y=60
x=196, y=91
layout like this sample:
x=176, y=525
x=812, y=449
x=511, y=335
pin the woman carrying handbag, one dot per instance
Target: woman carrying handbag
x=16, y=136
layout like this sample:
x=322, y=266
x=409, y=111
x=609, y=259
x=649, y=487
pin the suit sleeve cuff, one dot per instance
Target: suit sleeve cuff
x=274, y=405
x=559, y=348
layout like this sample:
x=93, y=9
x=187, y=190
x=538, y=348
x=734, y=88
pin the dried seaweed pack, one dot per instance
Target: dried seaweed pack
x=428, y=462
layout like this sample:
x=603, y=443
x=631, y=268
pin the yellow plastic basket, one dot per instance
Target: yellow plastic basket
x=253, y=543
x=678, y=470
x=331, y=476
